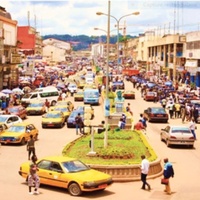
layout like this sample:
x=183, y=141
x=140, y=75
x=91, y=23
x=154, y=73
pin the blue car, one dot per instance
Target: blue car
x=71, y=119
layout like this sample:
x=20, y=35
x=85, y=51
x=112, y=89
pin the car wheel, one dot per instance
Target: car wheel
x=43, y=126
x=74, y=189
x=161, y=139
x=23, y=141
x=68, y=125
x=53, y=103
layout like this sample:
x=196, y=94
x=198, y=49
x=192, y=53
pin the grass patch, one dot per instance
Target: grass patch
x=125, y=147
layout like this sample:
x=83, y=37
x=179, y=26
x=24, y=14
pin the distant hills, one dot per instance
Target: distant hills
x=81, y=42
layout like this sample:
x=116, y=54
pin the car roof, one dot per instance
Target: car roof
x=58, y=158
x=6, y=116
x=23, y=124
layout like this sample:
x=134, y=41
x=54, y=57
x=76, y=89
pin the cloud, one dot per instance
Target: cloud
x=77, y=17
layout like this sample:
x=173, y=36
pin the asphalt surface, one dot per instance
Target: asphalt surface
x=186, y=162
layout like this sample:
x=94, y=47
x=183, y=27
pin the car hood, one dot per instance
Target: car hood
x=35, y=108
x=10, y=134
x=51, y=119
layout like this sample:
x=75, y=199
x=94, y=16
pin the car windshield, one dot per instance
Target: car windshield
x=17, y=129
x=53, y=115
x=158, y=111
x=13, y=110
x=74, y=166
x=180, y=130
x=3, y=119
x=63, y=109
x=35, y=105
x=27, y=96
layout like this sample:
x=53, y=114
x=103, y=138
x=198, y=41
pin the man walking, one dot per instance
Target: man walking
x=144, y=172
x=79, y=123
x=31, y=147
x=167, y=173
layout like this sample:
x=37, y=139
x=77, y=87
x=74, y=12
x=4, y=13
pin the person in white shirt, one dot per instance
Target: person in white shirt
x=144, y=172
x=192, y=126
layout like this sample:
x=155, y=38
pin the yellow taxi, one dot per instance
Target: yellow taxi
x=68, y=104
x=19, y=133
x=35, y=108
x=53, y=119
x=79, y=96
x=69, y=173
x=63, y=109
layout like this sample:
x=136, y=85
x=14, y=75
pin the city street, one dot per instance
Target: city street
x=186, y=163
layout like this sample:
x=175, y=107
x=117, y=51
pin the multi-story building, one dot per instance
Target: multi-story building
x=29, y=41
x=192, y=56
x=9, y=58
x=55, y=51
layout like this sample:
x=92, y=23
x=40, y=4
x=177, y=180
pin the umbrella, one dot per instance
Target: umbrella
x=18, y=91
x=2, y=94
x=7, y=91
x=25, y=82
x=168, y=83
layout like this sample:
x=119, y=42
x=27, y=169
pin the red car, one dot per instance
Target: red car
x=18, y=110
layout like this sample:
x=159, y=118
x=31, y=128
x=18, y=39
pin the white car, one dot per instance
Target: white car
x=9, y=120
x=177, y=135
x=72, y=87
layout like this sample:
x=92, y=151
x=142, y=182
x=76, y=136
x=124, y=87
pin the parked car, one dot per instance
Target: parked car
x=36, y=108
x=9, y=120
x=19, y=133
x=68, y=173
x=68, y=104
x=79, y=96
x=177, y=135
x=18, y=110
x=150, y=96
x=128, y=94
x=53, y=119
x=156, y=114
x=71, y=119
x=63, y=109
x=72, y=87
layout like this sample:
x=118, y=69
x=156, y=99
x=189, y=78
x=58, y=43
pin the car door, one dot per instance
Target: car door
x=51, y=173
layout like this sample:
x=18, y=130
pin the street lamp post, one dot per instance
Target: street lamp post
x=118, y=21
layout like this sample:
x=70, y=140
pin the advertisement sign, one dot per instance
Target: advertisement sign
x=107, y=107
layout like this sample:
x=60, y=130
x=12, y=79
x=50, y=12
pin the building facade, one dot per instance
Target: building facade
x=55, y=51
x=9, y=58
x=29, y=41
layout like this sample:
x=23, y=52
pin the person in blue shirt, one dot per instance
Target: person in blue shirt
x=168, y=173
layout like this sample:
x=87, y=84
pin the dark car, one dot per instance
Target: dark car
x=71, y=119
x=156, y=114
x=18, y=110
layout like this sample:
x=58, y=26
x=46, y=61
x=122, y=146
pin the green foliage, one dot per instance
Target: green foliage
x=82, y=41
x=125, y=147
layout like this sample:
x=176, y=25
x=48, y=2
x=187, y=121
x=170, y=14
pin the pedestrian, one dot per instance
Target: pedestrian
x=139, y=125
x=192, y=126
x=79, y=124
x=128, y=108
x=121, y=123
x=33, y=178
x=144, y=172
x=47, y=105
x=167, y=173
x=31, y=147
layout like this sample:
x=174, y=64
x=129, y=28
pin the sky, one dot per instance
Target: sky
x=78, y=17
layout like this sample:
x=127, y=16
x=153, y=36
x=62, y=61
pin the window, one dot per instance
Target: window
x=44, y=164
x=56, y=167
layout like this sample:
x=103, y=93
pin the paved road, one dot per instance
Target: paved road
x=186, y=163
